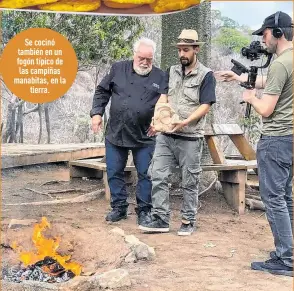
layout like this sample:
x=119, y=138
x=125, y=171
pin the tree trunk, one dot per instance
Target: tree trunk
x=19, y=122
x=47, y=121
x=9, y=135
x=41, y=124
x=198, y=18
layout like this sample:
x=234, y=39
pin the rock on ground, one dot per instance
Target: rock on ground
x=16, y=223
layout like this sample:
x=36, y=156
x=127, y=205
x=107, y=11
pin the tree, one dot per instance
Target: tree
x=97, y=41
x=199, y=18
x=216, y=22
x=219, y=21
x=228, y=22
x=231, y=40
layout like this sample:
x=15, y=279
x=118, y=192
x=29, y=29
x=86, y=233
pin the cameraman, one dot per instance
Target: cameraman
x=275, y=147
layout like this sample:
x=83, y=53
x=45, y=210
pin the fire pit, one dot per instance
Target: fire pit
x=44, y=265
x=47, y=270
x=51, y=265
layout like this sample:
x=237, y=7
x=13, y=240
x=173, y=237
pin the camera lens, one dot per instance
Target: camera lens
x=244, y=51
x=255, y=44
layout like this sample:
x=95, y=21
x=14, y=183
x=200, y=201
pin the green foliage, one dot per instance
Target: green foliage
x=222, y=21
x=228, y=22
x=95, y=38
x=230, y=38
x=215, y=14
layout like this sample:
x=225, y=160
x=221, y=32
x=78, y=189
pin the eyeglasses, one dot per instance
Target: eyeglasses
x=148, y=60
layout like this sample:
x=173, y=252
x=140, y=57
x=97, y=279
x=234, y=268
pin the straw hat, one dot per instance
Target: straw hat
x=189, y=37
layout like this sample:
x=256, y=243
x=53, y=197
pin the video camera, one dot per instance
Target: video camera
x=253, y=52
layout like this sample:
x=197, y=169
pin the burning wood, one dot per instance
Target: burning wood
x=47, y=270
x=45, y=264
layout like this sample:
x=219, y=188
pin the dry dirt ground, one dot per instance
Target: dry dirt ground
x=216, y=257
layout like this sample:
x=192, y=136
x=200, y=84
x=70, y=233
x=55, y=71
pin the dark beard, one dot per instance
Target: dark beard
x=185, y=62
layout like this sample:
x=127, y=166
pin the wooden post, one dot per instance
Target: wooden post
x=106, y=186
x=215, y=152
x=233, y=183
x=243, y=146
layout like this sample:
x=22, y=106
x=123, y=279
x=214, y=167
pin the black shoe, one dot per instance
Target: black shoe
x=144, y=216
x=273, y=255
x=116, y=214
x=273, y=266
x=156, y=225
x=186, y=229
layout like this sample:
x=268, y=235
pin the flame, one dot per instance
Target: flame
x=45, y=248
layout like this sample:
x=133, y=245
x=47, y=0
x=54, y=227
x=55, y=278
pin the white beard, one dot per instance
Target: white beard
x=141, y=71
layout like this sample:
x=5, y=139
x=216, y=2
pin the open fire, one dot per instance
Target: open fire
x=45, y=264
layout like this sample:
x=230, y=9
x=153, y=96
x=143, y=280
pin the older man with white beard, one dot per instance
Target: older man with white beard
x=134, y=86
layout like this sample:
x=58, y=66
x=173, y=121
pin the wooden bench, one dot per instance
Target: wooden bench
x=233, y=177
x=231, y=173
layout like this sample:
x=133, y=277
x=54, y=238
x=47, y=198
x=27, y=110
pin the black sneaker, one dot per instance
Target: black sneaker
x=144, y=216
x=273, y=266
x=156, y=225
x=116, y=214
x=186, y=229
x=273, y=255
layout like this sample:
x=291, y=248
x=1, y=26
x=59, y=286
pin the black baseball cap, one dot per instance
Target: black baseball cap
x=284, y=20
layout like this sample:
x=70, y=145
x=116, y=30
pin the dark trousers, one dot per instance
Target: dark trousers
x=275, y=161
x=116, y=160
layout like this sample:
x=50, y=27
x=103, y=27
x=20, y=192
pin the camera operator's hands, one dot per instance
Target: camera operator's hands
x=249, y=95
x=226, y=76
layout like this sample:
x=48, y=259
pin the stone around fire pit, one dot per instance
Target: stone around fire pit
x=28, y=286
x=140, y=250
x=113, y=279
x=96, y=260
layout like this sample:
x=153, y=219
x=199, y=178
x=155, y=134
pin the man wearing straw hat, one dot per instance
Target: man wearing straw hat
x=191, y=94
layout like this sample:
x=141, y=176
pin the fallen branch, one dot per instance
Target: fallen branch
x=254, y=193
x=254, y=197
x=6, y=246
x=209, y=187
x=80, y=199
x=254, y=204
x=39, y=192
x=54, y=191
x=52, y=182
x=64, y=191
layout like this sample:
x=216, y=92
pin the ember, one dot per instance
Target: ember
x=47, y=270
x=45, y=265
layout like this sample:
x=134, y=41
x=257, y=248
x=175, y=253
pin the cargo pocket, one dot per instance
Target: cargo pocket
x=191, y=92
x=191, y=176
